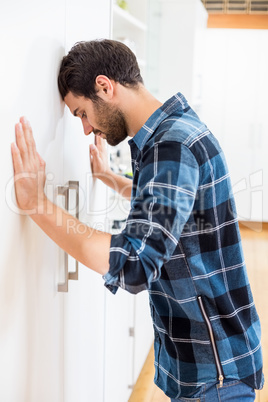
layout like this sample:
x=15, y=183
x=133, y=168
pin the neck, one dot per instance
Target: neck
x=137, y=105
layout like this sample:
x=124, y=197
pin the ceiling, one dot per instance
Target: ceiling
x=236, y=6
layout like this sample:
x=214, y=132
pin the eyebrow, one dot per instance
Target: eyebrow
x=75, y=111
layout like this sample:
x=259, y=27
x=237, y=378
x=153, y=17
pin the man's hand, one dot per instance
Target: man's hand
x=101, y=169
x=99, y=159
x=88, y=246
x=29, y=170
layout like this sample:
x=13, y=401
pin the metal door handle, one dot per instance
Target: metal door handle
x=65, y=191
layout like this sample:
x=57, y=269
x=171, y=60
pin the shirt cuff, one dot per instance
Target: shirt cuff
x=111, y=282
x=119, y=251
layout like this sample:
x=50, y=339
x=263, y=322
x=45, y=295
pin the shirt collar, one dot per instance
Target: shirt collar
x=175, y=103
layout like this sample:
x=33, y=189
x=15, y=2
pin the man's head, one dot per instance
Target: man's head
x=87, y=60
x=87, y=78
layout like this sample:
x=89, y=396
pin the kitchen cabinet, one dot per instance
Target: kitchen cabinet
x=55, y=346
x=51, y=343
x=129, y=26
x=235, y=108
x=84, y=304
x=128, y=320
x=31, y=312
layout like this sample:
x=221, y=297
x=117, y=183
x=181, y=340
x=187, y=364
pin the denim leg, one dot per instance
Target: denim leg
x=236, y=391
x=231, y=391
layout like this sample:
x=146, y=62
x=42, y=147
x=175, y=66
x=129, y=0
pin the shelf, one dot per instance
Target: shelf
x=128, y=18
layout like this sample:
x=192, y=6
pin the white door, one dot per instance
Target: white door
x=31, y=310
x=143, y=333
x=84, y=303
x=119, y=346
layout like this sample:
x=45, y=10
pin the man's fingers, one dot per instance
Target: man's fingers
x=93, y=149
x=100, y=142
x=20, y=139
x=28, y=135
x=16, y=158
x=94, y=156
x=93, y=152
x=41, y=161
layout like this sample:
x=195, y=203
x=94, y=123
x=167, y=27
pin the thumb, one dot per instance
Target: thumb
x=93, y=149
x=42, y=162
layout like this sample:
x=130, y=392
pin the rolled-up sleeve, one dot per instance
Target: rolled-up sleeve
x=167, y=183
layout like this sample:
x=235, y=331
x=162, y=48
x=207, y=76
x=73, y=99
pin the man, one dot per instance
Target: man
x=181, y=241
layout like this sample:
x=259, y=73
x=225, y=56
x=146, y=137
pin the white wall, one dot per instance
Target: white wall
x=235, y=105
x=182, y=25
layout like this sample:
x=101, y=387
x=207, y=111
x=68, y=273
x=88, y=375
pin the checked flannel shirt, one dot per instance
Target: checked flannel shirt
x=182, y=243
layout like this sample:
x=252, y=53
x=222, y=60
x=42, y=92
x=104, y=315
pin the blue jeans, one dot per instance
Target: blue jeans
x=231, y=391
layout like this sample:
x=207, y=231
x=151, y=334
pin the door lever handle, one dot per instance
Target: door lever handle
x=65, y=191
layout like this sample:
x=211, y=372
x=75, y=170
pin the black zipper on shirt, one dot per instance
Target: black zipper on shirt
x=213, y=342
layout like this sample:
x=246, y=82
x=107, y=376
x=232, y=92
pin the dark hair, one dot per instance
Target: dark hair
x=87, y=60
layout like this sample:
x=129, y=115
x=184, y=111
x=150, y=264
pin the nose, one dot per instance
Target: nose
x=87, y=127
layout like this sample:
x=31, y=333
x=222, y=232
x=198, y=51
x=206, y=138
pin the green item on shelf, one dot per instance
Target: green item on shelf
x=122, y=4
x=129, y=175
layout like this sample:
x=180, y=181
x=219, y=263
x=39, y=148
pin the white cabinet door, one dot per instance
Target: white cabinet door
x=143, y=336
x=31, y=313
x=85, y=301
x=119, y=346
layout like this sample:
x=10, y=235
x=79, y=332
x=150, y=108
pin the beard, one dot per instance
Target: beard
x=112, y=122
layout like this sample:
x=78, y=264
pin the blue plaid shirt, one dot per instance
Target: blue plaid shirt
x=182, y=244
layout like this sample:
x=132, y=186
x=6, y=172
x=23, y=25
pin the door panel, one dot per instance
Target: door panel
x=84, y=304
x=143, y=332
x=119, y=346
x=31, y=314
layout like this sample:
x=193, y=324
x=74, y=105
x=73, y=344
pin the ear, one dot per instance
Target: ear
x=104, y=87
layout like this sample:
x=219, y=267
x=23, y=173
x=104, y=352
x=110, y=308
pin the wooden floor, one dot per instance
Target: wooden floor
x=255, y=244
